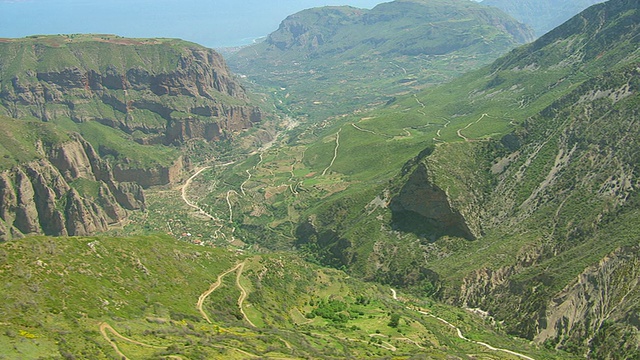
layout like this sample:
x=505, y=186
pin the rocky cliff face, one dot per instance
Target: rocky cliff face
x=144, y=87
x=422, y=207
x=70, y=191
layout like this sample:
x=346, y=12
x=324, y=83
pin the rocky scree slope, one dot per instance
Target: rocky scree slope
x=570, y=192
x=564, y=196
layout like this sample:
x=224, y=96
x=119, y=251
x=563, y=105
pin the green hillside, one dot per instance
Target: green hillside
x=334, y=60
x=495, y=216
x=135, y=100
x=24, y=141
x=153, y=297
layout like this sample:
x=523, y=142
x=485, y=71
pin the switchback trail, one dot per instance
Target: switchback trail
x=459, y=132
x=212, y=288
x=243, y=294
x=461, y=336
x=186, y=200
x=229, y=205
x=335, y=153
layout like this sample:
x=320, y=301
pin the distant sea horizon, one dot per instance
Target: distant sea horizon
x=214, y=24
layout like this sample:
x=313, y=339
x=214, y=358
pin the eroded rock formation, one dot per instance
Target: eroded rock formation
x=70, y=191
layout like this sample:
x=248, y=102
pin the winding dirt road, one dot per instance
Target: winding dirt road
x=243, y=293
x=212, y=288
x=459, y=132
x=194, y=205
x=104, y=327
x=335, y=153
x=461, y=336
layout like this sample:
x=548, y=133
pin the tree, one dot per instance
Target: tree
x=395, y=320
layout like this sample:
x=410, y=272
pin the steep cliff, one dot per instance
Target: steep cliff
x=65, y=188
x=537, y=157
x=571, y=191
x=132, y=103
x=605, y=293
x=424, y=208
x=159, y=89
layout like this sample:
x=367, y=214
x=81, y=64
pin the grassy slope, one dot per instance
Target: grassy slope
x=60, y=293
x=19, y=139
x=291, y=184
x=289, y=181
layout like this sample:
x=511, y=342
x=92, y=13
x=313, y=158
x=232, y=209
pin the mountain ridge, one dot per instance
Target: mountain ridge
x=131, y=108
x=156, y=88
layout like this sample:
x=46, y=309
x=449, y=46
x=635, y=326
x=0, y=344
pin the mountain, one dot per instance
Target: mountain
x=88, y=120
x=332, y=60
x=511, y=189
x=543, y=15
x=160, y=91
x=509, y=193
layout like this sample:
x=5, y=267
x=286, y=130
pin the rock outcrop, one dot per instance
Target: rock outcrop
x=70, y=191
x=422, y=202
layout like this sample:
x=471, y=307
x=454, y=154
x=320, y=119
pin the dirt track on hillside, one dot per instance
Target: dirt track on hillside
x=461, y=336
x=212, y=288
x=104, y=327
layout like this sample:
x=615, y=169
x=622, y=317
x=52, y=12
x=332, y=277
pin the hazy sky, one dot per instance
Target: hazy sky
x=213, y=23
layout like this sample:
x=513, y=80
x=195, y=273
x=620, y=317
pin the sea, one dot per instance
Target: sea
x=213, y=23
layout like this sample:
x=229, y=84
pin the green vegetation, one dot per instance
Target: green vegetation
x=134, y=100
x=99, y=297
x=537, y=198
x=24, y=141
x=90, y=51
x=536, y=153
